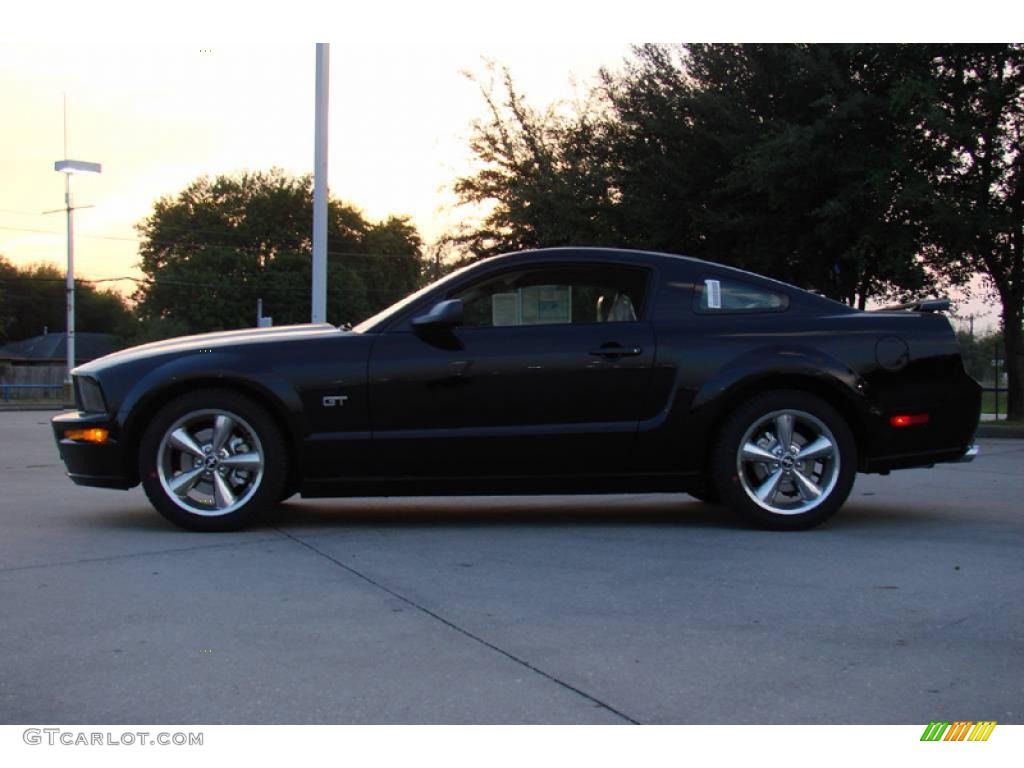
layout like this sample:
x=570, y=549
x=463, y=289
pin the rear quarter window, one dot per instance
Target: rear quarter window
x=715, y=295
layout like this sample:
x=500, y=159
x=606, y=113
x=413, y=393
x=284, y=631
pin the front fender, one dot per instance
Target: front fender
x=209, y=369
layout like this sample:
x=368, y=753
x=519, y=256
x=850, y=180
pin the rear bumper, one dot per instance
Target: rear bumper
x=970, y=455
x=951, y=403
x=101, y=466
x=928, y=458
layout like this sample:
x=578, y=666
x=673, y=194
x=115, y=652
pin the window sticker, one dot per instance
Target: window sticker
x=545, y=304
x=505, y=309
x=713, y=289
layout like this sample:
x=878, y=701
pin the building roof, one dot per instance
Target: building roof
x=51, y=346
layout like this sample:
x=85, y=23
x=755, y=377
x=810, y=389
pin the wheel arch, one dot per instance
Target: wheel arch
x=148, y=405
x=836, y=393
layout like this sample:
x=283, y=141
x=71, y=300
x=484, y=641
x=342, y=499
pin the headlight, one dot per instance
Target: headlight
x=89, y=395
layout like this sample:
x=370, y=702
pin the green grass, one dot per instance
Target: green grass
x=988, y=403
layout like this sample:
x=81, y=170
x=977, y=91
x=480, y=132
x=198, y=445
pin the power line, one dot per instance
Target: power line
x=201, y=245
x=77, y=234
x=198, y=284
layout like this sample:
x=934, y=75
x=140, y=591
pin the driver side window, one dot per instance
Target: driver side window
x=576, y=294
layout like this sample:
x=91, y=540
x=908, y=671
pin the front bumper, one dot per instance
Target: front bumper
x=100, y=465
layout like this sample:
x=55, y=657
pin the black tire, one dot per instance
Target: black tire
x=219, y=487
x=784, y=488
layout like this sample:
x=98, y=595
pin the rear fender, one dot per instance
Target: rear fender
x=779, y=363
x=780, y=367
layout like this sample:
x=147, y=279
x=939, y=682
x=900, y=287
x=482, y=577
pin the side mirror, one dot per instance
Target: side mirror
x=444, y=314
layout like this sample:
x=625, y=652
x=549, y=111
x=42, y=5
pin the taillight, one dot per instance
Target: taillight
x=908, y=419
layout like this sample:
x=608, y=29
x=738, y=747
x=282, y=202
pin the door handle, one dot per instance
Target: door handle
x=612, y=351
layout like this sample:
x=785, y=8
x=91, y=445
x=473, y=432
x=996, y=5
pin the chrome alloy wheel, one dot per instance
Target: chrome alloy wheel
x=788, y=462
x=210, y=462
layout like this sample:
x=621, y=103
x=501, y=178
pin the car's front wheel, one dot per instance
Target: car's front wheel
x=785, y=460
x=212, y=460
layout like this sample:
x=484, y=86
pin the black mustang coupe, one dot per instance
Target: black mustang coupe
x=569, y=370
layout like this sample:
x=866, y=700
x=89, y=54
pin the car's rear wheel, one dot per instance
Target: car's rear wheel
x=213, y=460
x=785, y=460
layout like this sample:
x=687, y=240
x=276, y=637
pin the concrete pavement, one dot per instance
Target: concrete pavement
x=658, y=609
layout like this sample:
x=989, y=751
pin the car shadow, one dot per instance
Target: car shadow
x=501, y=510
x=537, y=511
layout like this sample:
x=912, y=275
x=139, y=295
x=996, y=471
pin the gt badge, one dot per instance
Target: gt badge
x=335, y=401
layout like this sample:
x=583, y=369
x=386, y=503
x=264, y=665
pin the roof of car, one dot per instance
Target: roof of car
x=587, y=252
x=629, y=255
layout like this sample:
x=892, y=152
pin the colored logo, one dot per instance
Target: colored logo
x=961, y=730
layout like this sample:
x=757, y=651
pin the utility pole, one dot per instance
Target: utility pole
x=323, y=59
x=69, y=168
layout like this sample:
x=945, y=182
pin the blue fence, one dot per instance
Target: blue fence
x=7, y=389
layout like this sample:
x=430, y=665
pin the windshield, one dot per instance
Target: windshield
x=386, y=314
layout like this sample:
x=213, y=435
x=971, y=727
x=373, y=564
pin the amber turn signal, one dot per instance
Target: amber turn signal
x=92, y=435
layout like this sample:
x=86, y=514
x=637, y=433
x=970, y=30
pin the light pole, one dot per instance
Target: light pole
x=69, y=168
x=319, y=287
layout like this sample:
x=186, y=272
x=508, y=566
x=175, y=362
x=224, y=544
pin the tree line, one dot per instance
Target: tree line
x=33, y=300
x=211, y=251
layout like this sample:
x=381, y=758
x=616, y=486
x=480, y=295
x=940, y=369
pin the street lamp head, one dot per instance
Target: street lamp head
x=76, y=166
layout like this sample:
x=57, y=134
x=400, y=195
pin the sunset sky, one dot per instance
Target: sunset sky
x=203, y=88
x=158, y=117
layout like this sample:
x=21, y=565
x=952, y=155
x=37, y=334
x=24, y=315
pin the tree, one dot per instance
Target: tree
x=979, y=353
x=972, y=137
x=388, y=272
x=545, y=174
x=791, y=160
x=217, y=246
x=33, y=298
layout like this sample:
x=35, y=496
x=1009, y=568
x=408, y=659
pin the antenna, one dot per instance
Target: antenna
x=65, y=124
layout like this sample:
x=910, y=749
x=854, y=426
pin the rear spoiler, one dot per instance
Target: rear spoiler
x=922, y=305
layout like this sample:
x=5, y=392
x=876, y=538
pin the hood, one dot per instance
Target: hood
x=220, y=339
